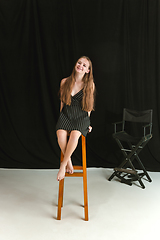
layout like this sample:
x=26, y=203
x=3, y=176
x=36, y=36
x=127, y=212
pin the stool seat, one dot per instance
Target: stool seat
x=82, y=172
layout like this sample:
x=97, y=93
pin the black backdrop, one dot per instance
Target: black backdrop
x=40, y=40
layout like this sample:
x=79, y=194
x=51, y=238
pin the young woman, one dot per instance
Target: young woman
x=77, y=102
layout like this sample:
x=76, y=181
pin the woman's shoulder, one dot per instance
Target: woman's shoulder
x=63, y=81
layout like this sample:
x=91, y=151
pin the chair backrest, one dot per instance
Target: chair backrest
x=133, y=121
x=137, y=116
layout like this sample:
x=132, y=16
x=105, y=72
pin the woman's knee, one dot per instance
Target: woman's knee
x=61, y=135
x=75, y=135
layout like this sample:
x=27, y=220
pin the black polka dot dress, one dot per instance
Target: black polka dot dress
x=73, y=117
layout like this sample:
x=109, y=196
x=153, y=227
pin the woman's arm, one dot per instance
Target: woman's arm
x=62, y=82
x=61, y=106
x=89, y=113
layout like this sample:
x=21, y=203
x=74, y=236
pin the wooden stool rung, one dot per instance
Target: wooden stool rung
x=78, y=167
x=75, y=174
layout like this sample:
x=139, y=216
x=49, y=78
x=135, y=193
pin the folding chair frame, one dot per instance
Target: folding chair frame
x=126, y=171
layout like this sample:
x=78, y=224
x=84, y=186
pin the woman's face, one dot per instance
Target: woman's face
x=82, y=66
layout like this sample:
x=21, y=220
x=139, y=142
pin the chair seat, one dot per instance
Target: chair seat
x=123, y=136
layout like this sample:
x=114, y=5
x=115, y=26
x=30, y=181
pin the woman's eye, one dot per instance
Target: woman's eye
x=84, y=65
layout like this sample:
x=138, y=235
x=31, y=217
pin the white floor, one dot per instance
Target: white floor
x=28, y=207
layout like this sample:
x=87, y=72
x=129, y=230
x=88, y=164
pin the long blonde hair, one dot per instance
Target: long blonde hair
x=88, y=90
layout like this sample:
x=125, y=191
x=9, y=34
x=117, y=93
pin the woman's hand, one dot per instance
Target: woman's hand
x=90, y=129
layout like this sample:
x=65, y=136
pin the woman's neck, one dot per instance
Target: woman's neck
x=78, y=77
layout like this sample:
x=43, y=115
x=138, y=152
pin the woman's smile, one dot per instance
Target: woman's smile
x=82, y=65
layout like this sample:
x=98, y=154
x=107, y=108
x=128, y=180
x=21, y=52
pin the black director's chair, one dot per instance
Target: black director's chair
x=132, y=144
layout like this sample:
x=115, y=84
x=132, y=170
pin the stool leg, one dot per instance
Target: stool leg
x=60, y=199
x=84, y=178
x=60, y=195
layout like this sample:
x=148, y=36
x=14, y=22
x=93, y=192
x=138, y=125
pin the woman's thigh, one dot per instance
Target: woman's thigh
x=62, y=134
x=75, y=134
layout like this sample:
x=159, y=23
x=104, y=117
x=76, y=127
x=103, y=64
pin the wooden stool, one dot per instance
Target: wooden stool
x=83, y=174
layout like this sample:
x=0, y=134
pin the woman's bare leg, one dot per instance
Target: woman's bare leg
x=71, y=146
x=62, y=141
x=69, y=167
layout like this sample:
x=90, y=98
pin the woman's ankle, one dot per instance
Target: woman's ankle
x=63, y=165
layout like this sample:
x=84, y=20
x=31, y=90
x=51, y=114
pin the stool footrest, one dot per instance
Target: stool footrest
x=78, y=167
x=75, y=174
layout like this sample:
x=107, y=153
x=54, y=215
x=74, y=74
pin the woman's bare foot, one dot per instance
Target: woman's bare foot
x=61, y=173
x=69, y=167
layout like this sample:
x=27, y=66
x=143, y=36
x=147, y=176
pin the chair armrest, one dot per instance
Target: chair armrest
x=118, y=123
x=147, y=126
